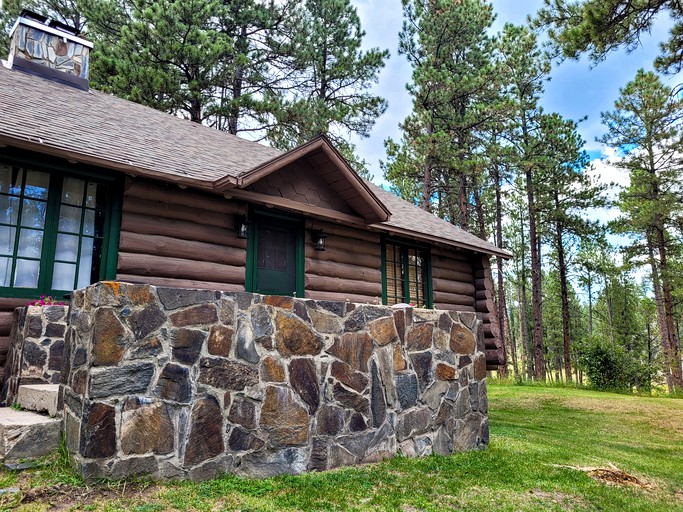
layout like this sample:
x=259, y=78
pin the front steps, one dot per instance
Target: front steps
x=30, y=435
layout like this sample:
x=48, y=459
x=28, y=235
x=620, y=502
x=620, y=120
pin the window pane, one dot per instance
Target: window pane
x=72, y=192
x=36, y=184
x=30, y=243
x=69, y=219
x=91, y=195
x=63, y=277
x=9, y=209
x=67, y=247
x=7, y=240
x=89, y=222
x=33, y=214
x=27, y=274
x=10, y=179
x=5, y=271
x=85, y=262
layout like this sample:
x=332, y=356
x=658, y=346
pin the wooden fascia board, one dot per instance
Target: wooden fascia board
x=492, y=251
x=294, y=206
x=81, y=158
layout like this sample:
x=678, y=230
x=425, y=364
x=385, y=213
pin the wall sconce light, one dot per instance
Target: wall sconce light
x=242, y=226
x=318, y=238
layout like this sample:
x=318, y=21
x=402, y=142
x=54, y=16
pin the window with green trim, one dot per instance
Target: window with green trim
x=53, y=230
x=406, y=274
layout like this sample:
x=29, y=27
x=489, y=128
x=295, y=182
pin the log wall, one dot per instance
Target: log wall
x=452, y=280
x=179, y=238
x=483, y=281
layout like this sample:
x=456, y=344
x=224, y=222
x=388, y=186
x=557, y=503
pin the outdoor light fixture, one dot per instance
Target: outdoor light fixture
x=242, y=226
x=319, y=239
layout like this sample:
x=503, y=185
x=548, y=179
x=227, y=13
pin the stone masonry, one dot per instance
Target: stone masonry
x=190, y=384
x=37, y=343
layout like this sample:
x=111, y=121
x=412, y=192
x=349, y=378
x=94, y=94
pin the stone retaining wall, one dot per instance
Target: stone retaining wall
x=189, y=384
x=36, y=346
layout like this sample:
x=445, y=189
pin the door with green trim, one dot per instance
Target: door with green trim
x=278, y=258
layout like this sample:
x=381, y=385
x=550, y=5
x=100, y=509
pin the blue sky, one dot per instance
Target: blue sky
x=576, y=89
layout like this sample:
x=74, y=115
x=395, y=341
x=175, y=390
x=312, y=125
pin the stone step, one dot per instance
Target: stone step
x=27, y=435
x=38, y=397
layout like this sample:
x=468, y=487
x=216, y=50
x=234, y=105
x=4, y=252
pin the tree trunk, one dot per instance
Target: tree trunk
x=559, y=242
x=502, y=303
x=536, y=292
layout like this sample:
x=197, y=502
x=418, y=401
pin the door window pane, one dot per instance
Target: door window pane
x=9, y=209
x=91, y=195
x=7, y=235
x=89, y=222
x=5, y=271
x=10, y=179
x=67, y=247
x=33, y=214
x=72, y=191
x=37, y=184
x=85, y=269
x=63, y=277
x=26, y=275
x=30, y=243
x=69, y=219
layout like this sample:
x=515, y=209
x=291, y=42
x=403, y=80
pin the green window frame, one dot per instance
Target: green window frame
x=59, y=226
x=406, y=273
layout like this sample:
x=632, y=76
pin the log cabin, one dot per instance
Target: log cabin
x=94, y=187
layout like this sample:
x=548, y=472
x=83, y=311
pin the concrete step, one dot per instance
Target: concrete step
x=27, y=435
x=38, y=397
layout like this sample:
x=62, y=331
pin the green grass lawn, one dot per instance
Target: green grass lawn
x=542, y=440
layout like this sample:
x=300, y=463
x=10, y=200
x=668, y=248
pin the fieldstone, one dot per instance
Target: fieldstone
x=55, y=313
x=33, y=355
x=109, y=338
x=468, y=433
x=34, y=326
x=279, y=301
x=480, y=368
x=284, y=418
x=261, y=323
x=474, y=396
x=301, y=311
x=72, y=432
x=378, y=404
x=187, y=344
x=243, y=412
x=244, y=300
x=139, y=294
x=304, y=379
x=146, y=321
x=98, y=431
x=362, y=315
x=272, y=370
x=462, y=340
x=462, y=403
x=196, y=315
x=333, y=306
x=174, y=298
x=206, y=432
x=241, y=440
x=423, y=446
x=294, y=337
x=463, y=361
x=406, y=388
x=385, y=364
x=134, y=466
x=434, y=393
x=357, y=423
x=79, y=380
x=443, y=444
x=383, y=330
x=419, y=337
x=446, y=412
x=446, y=372
x=345, y=374
x=174, y=384
x=400, y=363
x=53, y=330
x=245, y=347
x=146, y=427
x=354, y=349
x=483, y=398
x=445, y=322
x=469, y=319
x=330, y=420
x=400, y=323
x=422, y=363
x=151, y=346
x=351, y=399
x=357, y=443
x=123, y=380
x=339, y=457
x=265, y=464
x=319, y=455
x=413, y=423
x=80, y=357
x=325, y=322
x=227, y=311
x=226, y=374
x=220, y=340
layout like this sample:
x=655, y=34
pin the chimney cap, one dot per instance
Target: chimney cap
x=30, y=15
x=40, y=22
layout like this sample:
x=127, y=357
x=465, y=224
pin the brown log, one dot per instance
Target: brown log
x=359, y=246
x=154, y=192
x=11, y=303
x=341, y=231
x=452, y=254
x=351, y=286
x=185, y=249
x=453, y=307
x=180, y=283
x=343, y=256
x=483, y=294
x=183, y=230
x=158, y=266
x=451, y=275
x=6, y=323
x=479, y=274
x=179, y=212
x=454, y=298
x=480, y=283
x=494, y=357
x=343, y=271
x=485, y=306
x=457, y=287
x=341, y=297
x=491, y=330
x=458, y=266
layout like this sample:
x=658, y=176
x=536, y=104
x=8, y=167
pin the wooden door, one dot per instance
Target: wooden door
x=277, y=265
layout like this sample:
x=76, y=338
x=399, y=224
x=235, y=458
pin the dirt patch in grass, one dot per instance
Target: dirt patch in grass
x=567, y=502
x=612, y=475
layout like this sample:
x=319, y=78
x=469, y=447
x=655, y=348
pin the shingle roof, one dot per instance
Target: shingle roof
x=100, y=129
x=113, y=132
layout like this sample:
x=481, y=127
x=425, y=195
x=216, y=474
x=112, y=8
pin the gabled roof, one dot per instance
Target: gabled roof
x=95, y=128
